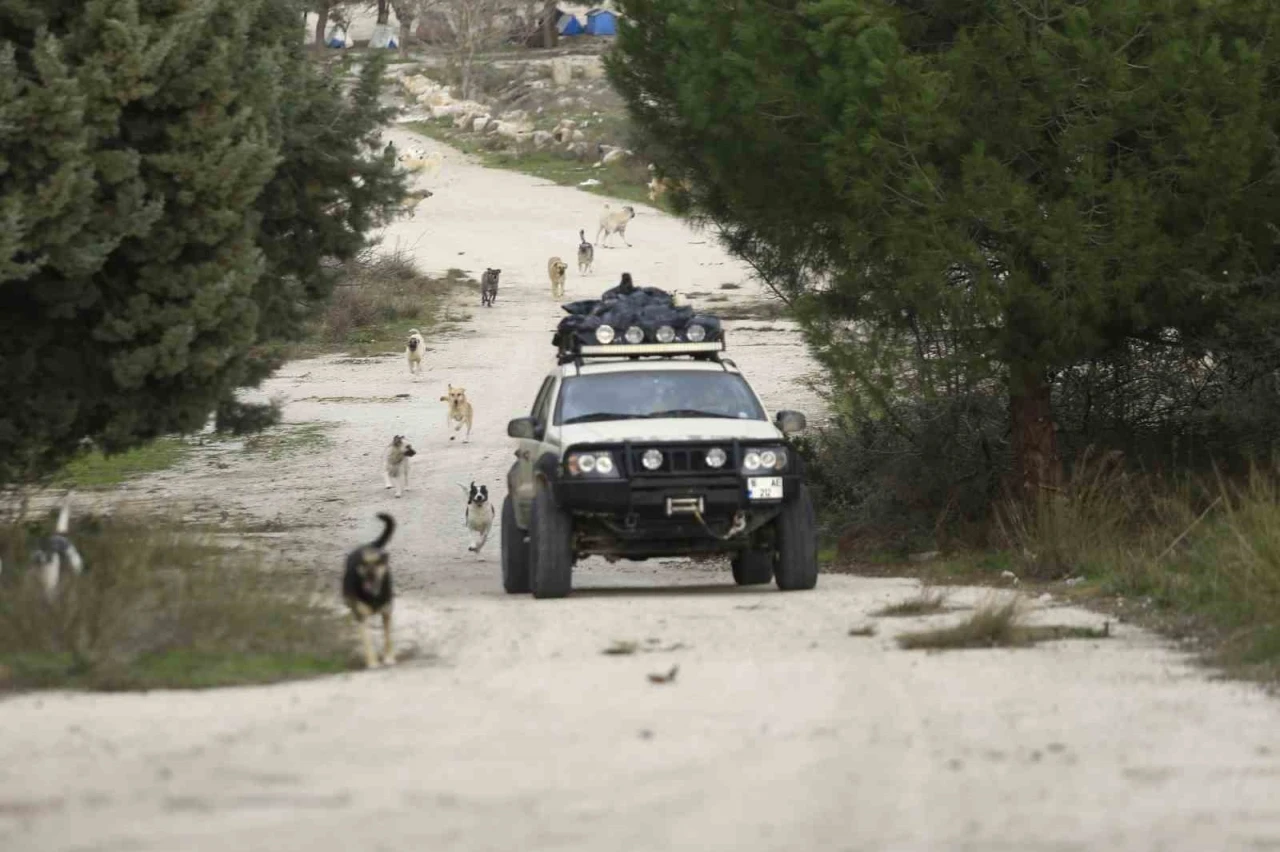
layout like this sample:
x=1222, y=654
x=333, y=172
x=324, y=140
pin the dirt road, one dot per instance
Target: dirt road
x=511, y=730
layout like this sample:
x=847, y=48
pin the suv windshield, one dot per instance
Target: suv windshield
x=656, y=393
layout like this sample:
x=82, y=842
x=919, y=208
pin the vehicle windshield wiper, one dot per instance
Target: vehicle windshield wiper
x=691, y=412
x=601, y=415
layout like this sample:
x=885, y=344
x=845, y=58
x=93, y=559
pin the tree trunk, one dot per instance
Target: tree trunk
x=550, y=35
x=1037, y=467
x=403, y=44
x=384, y=12
x=322, y=21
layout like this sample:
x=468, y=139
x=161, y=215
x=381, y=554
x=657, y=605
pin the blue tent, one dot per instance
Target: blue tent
x=602, y=22
x=569, y=25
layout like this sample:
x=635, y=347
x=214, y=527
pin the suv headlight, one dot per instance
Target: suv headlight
x=591, y=463
x=765, y=460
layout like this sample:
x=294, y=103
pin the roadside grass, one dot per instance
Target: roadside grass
x=162, y=606
x=627, y=181
x=290, y=438
x=996, y=624
x=927, y=602
x=1197, y=560
x=380, y=297
x=96, y=470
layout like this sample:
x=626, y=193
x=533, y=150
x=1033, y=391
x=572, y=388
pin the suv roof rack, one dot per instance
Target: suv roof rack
x=705, y=350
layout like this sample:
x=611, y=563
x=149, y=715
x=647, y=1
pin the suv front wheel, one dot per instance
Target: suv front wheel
x=550, y=547
x=515, y=552
x=796, y=567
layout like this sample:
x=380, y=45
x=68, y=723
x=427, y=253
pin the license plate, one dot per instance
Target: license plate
x=764, y=487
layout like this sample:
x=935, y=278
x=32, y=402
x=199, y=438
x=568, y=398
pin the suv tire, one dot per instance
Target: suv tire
x=752, y=567
x=515, y=552
x=550, y=547
x=796, y=567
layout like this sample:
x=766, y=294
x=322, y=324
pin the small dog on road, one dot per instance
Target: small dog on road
x=615, y=222
x=396, y=464
x=555, y=271
x=479, y=516
x=366, y=589
x=415, y=348
x=489, y=287
x=586, y=253
x=459, y=412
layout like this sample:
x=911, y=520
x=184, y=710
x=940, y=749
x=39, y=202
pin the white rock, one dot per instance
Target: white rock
x=614, y=156
x=542, y=139
x=561, y=71
x=479, y=124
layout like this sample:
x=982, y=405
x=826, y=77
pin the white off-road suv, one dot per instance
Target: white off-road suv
x=649, y=449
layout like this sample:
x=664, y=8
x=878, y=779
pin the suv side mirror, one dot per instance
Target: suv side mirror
x=790, y=422
x=525, y=428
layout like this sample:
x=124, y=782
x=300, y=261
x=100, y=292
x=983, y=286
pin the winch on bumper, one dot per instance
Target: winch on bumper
x=680, y=502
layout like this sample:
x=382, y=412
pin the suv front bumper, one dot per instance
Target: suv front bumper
x=645, y=498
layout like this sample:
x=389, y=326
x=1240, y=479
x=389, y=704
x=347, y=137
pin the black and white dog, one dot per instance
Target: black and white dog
x=52, y=552
x=396, y=464
x=489, y=286
x=586, y=253
x=366, y=589
x=479, y=516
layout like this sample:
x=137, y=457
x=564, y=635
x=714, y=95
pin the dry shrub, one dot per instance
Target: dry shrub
x=160, y=604
x=1063, y=531
x=377, y=291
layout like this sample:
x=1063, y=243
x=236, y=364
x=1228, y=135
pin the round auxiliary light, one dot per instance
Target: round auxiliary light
x=635, y=334
x=666, y=334
x=782, y=459
x=652, y=459
x=586, y=463
x=751, y=461
x=695, y=333
x=716, y=457
x=604, y=334
x=604, y=463
x=768, y=458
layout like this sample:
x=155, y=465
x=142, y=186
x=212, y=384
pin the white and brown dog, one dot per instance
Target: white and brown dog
x=395, y=469
x=615, y=222
x=415, y=348
x=479, y=516
x=459, y=412
x=555, y=271
x=367, y=591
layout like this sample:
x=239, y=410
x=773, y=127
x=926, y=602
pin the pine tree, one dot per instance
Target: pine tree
x=988, y=188
x=143, y=256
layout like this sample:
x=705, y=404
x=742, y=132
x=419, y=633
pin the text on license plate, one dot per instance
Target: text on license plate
x=764, y=487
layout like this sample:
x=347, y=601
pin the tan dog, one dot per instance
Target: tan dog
x=409, y=203
x=459, y=411
x=555, y=271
